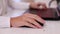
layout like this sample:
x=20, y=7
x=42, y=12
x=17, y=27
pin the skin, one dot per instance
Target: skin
x=28, y=19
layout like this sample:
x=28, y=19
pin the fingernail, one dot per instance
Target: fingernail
x=39, y=27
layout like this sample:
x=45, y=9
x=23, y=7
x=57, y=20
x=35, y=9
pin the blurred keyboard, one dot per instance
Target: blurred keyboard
x=48, y=14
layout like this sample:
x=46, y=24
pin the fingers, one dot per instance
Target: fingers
x=43, y=5
x=24, y=23
x=36, y=17
x=34, y=5
x=37, y=5
x=30, y=25
x=33, y=22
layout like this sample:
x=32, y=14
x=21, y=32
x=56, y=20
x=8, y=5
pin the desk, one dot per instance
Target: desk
x=51, y=27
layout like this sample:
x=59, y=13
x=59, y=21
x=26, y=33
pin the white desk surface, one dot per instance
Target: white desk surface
x=51, y=27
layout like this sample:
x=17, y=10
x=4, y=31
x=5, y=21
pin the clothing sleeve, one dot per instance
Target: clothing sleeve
x=16, y=4
x=4, y=21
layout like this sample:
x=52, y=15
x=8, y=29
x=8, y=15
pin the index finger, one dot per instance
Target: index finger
x=36, y=18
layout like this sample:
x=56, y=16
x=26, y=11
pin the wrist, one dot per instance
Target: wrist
x=11, y=22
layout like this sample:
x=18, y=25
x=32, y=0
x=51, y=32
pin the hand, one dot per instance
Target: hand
x=42, y=6
x=27, y=20
x=38, y=5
